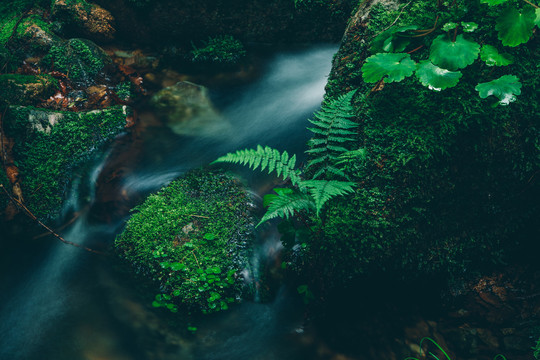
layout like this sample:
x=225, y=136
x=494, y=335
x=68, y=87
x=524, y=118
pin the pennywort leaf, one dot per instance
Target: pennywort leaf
x=491, y=56
x=392, y=67
x=515, y=27
x=453, y=55
x=436, y=78
x=493, y=2
x=469, y=26
x=504, y=88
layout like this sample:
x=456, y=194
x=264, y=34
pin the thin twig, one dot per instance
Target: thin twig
x=530, y=3
x=200, y=216
x=33, y=217
x=193, y=252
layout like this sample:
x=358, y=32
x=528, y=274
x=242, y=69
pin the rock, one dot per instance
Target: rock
x=18, y=89
x=90, y=19
x=49, y=145
x=187, y=110
x=190, y=238
x=82, y=60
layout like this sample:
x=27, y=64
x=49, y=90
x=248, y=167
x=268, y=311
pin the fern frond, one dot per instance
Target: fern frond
x=284, y=204
x=324, y=190
x=333, y=128
x=265, y=158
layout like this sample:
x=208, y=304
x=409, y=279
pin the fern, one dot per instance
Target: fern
x=267, y=158
x=322, y=190
x=285, y=204
x=332, y=129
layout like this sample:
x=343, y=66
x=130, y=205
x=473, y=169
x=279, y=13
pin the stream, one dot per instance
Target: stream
x=59, y=302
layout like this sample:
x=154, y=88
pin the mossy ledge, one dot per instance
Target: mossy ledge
x=191, y=238
x=51, y=143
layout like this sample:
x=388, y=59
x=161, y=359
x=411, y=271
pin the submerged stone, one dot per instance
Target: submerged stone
x=187, y=109
x=191, y=238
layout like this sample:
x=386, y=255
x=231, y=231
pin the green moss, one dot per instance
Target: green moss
x=80, y=59
x=48, y=144
x=18, y=89
x=190, y=238
x=10, y=13
x=446, y=186
x=220, y=49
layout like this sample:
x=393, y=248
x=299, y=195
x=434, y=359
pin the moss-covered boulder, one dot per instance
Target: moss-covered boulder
x=82, y=60
x=87, y=18
x=191, y=239
x=49, y=144
x=26, y=89
x=447, y=182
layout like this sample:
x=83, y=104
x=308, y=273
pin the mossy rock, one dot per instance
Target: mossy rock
x=26, y=89
x=82, y=60
x=447, y=185
x=86, y=18
x=191, y=238
x=50, y=144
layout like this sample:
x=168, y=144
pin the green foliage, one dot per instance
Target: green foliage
x=435, y=77
x=536, y=349
x=333, y=128
x=515, y=27
x=323, y=190
x=395, y=39
x=286, y=203
x=439, y=352
x=504, y=88
x=50, y=144
x=80, y=59
x=190, y=239
x=16, y=89
x=223, y=49
x=268, y=159
x=390, y=66
x=453, y=55
x=491, y=56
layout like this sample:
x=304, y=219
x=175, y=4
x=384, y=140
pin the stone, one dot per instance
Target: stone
x=187, y=110
x=18, y=89
x=92, y=20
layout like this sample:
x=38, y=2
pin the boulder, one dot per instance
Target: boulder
x=18, y=89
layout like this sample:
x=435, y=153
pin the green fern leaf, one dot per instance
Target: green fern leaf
x=324, y=190
x=333, y=129
x=285, y=204
x=265, y=158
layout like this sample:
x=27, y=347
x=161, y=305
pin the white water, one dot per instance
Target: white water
x=57, y=306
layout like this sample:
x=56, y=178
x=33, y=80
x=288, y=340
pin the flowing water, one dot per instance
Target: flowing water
x=59, y=302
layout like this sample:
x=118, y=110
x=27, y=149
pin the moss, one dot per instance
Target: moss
x=446, y=186
x=80, y=59
x=10, y=14
x=18, y=89
x=221, y=49
x=190, y=238
x=48, y=144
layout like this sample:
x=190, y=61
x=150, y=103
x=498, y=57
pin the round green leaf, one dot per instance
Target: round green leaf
x=516, y=27
x=490, y=55
x=395, y=66
x=504, y=88
x=537, y=19
x=469, y=26
x=453, y=55
x=493, y=2
x=395, y=39
x=449, y=26
x=436, y=78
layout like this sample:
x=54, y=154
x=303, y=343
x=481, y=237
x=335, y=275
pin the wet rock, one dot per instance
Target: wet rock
x=18, y=89
x=187, y=110
x=90, y=19
x=82, y=60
